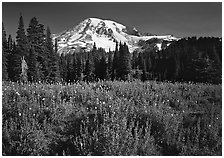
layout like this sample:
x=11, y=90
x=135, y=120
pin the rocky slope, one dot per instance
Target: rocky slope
x=105, y=33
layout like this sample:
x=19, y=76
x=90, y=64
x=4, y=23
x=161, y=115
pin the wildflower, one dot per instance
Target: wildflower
x=20, y=114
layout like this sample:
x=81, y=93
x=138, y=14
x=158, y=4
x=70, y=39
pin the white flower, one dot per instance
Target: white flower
x=20, y=114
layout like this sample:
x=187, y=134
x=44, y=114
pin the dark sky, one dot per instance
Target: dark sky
x=179, y=19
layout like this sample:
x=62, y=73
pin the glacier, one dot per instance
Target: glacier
x=105, y=34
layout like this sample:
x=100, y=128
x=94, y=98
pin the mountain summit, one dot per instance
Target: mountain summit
x=105, y=34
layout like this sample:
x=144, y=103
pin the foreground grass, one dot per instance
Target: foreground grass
x=111, y=118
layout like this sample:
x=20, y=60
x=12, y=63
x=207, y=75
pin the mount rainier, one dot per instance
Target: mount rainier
x=105, y=34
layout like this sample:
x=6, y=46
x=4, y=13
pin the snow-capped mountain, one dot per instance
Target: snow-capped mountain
x=105, y=33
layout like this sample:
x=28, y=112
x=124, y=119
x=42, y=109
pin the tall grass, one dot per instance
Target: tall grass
x=111, y=118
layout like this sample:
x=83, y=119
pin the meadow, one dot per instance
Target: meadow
x=111, y=118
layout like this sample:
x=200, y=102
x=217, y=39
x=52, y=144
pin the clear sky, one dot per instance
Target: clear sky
x=179, y=19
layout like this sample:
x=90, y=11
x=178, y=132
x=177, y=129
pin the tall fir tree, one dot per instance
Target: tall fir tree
x=70, y=68
x=32, y=66
x=9, y=58
x=4, y=55
x=89, y=70
x=36, y=38
x=79, y=67
x=57, y=59
x=134, y=60
x=115, y=63
x=63, y=67
x=124, y=65
x=110, y=64
x=102, y=68
x=52, y=57
x=19, y=50
x=21, y=40
x=144, y=74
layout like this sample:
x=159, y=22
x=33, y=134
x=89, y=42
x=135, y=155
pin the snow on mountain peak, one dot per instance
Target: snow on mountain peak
x=105, y=33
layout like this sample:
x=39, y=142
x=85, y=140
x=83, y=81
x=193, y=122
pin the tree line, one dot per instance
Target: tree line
x=189, y=59
x=36, y=47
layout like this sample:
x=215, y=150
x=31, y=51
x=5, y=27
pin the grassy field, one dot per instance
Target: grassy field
x=112, y=118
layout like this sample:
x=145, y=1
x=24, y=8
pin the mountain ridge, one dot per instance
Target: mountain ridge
x=105, y=34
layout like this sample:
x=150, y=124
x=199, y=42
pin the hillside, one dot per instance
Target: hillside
x=105, y=34
x=112, y=119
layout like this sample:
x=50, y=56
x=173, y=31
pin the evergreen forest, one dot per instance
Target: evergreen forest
x=116, y=103
x=189, y=59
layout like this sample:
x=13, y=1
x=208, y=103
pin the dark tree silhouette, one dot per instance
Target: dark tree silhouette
x=36, y=38
x=53, y=64
x=4, y=55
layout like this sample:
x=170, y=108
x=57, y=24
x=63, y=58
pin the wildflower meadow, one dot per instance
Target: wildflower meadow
x=111, y=118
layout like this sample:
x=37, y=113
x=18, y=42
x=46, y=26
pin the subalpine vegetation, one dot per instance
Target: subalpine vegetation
x=112, y=118
x=166, y=102
x=189, y=59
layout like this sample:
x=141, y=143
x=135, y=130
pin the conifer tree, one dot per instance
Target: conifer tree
x=63, y=67
x=36, y=38
x=4, y=55
x=15, y=67
x=115, y=63
x=79, y=68
x=32, y=66
x=119, y=62
x=102, y=73
x=134, y=60
x=70, y=68
x=52, y=57
x=9, y=58
x=110, y=64
x=89, y=70
x=75, y=66
x=19, y=50
x=144, y=76
x=57, y=59
x=124, y=64
x=21, y=40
